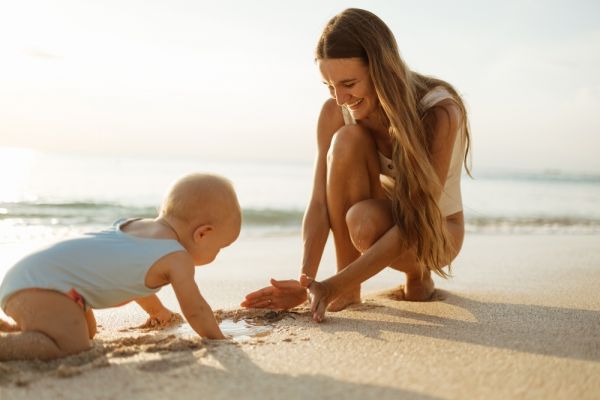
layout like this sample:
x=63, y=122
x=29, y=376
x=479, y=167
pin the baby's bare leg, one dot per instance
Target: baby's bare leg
x=91, y=323
x=51, y=324
x=8, y=327
x=27, y=345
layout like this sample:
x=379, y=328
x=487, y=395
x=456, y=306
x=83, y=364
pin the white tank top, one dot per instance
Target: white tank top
x=107, y=268
x=450, y=201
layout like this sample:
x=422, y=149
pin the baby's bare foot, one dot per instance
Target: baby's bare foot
x=346, y=299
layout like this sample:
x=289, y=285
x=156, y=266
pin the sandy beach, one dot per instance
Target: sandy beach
x=520, y=319
x=486, y=109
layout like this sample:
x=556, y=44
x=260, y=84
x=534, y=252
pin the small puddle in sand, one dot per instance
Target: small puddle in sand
x=239, y=331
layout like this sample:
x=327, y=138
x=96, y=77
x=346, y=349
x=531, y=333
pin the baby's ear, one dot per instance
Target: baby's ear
x=201, y=232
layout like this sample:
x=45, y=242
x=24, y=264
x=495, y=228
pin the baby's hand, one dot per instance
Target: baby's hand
x=162, y=319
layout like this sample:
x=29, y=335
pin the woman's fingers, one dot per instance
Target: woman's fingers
x=286, y=284
x=319, y=314
x=313, y=304
x=282, y=295
x=261, y=302
x=319, y=300
x=318, y=309
x=314, y=298
x=270, y=290
x=264, y=292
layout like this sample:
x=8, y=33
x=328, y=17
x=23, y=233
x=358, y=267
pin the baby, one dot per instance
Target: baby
x=51, y=293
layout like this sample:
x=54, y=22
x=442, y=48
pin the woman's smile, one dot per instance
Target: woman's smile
x=355, y=105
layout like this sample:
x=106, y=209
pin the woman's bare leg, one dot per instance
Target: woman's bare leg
x=370, y=219
x=352, y=176
x=51, y=324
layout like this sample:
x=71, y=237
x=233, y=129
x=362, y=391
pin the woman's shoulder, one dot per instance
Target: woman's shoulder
x=440, y=103
x=434, y=96
x=443, y=121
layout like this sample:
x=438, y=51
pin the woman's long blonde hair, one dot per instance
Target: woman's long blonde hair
x=360, y=33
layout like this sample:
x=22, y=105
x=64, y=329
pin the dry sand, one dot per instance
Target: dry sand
x=520, y=319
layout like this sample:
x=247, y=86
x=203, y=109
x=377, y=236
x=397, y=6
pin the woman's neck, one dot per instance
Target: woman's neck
x=376, y=123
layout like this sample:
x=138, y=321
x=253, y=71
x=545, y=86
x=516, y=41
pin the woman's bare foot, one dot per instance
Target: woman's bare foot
x=415, y=289
x=347, y=298
x=420, y=288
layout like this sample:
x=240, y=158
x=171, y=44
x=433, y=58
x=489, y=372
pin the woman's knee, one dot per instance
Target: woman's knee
x=348, y=143
x=367, y=221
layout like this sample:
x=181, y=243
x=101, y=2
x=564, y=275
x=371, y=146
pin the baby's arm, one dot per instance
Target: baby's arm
x=196, y=310
x=159, y=314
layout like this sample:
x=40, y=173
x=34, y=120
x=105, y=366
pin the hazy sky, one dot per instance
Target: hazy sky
x=236, y=79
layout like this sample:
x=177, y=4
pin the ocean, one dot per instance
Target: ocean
x=46, y=196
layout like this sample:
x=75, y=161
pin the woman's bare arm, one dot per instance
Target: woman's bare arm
x=445, y=119
x=315, y=226
x=286, y=294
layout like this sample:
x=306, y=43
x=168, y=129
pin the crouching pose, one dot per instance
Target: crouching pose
x=390, y=148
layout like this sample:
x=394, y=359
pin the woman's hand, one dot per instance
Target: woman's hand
x=281, y=295
x=320, y=297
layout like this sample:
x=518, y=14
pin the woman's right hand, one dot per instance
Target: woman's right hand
x=320, y=297
x=281, y=295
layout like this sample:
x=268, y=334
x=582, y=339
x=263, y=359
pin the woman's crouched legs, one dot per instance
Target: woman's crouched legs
x=368, y=220
x=352, y=177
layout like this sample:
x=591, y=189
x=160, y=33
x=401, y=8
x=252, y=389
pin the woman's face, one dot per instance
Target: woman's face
x=350, y=85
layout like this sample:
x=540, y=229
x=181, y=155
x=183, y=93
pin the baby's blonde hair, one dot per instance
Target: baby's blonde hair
x=201, y=198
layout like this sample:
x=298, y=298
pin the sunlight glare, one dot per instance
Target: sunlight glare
x=16, y=168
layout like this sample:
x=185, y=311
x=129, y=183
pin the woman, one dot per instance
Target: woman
x=391, y=145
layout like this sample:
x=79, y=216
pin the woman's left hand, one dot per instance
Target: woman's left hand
x=281, y=295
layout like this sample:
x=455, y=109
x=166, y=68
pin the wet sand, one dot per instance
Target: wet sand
x=520, y=319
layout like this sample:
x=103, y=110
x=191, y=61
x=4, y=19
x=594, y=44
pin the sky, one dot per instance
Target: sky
x=236, y=80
